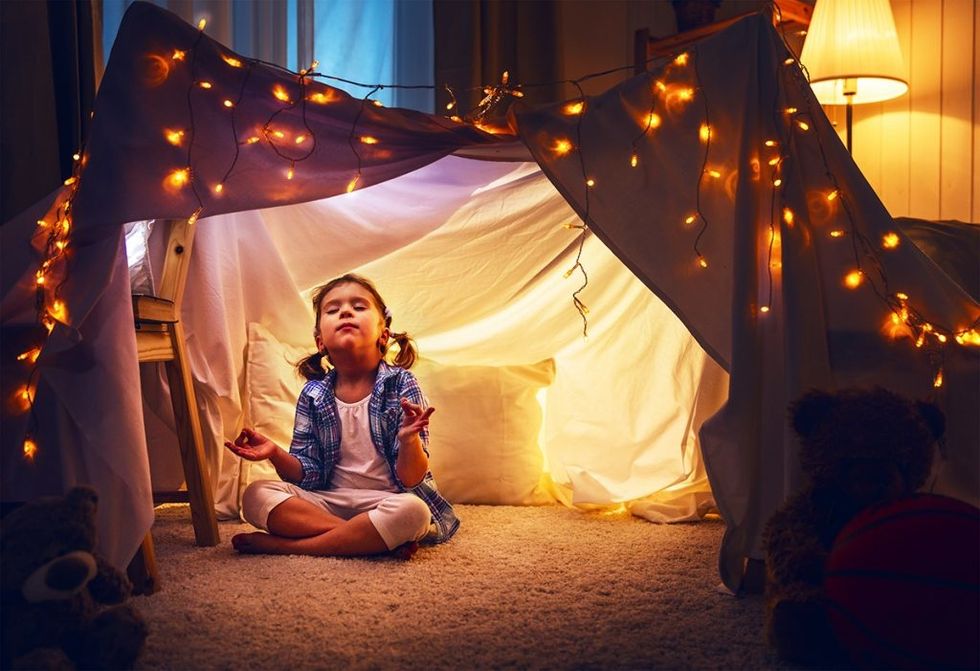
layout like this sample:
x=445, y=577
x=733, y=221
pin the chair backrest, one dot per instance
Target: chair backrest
x=180, y=243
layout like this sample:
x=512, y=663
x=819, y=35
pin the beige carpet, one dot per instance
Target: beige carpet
x=516, y=588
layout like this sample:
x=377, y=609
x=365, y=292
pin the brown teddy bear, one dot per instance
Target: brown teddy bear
x=858, y=448
x=54, y=587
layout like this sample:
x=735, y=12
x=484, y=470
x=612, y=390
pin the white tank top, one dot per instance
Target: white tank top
x=360, y=466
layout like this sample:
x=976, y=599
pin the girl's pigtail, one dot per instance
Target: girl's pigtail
x=407, y=352
x=311, y=367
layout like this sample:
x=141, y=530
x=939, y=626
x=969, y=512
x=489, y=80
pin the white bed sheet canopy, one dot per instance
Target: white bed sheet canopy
x=471, y=257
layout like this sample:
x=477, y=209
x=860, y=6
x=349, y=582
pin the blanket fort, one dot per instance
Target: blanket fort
x=715, y=178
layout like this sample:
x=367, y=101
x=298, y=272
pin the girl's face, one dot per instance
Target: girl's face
x=349, y=320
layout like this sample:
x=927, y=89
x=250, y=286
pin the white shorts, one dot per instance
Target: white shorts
x=399, y=517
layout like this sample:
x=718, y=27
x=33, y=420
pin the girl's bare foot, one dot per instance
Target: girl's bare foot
x=254, y=543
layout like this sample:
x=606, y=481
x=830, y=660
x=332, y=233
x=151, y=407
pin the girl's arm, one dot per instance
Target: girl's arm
x=412, y=463
x=256, y=447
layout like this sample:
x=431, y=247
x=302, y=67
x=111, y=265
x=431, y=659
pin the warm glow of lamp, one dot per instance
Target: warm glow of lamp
x=852, y=54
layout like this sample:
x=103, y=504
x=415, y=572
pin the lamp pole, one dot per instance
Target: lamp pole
x=850, y=90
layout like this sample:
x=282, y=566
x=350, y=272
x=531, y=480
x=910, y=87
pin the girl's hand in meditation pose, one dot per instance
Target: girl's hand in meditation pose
x=414, y=419
x=252, y=446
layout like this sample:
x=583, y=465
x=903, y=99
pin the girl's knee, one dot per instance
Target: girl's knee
x=415, y=515
x=254, y=501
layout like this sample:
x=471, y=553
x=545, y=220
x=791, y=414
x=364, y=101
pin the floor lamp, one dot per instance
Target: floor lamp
x=852, y=55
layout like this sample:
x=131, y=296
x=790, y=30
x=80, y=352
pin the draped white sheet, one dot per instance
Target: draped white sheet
x=473, y=270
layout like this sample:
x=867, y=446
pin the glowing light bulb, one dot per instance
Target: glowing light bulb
x=290, y=172
x=191, y=220
x=853, y=279
x=652, y=120
x=775, y=160
x=561, y=146
x=174, y=137
x=790, y=110
x=920, y=341
x=30, y=355
x=70, y=181
x=280, y=93
x=219, y=187
x=228, y=103
x=201, y=24
x=450, y=105
x=279, y=134
x=714, y=173
x=788, y=216
x=901, y=296
x=61, y=244
x=681, y=59
x=660, y=86
x=940, y=337
x=832, y=196
x=300, y=139
x=685, y=94
x=764, y=309
x=252, y=140
x=789, y=61
x=29, y=449
x=178, y=55
x=690, y=220
x=59, y=311
x=590, y=182
x=75, y=157
x=938, y=380
x=351, y=185
x=231, y=60
x=320, y=98
x=890, y=240
x=573, y=108
x=703, y=262
x=204, y=85
x=803, y=125
x=837, y=233
x=179, y=177
x=777, y=182
x=568, y=273
x=704, y=132
x=634, y=160
x=24, y=394
x=377, y=103
x=770, y=143
x=367, y=139
x=42, y=223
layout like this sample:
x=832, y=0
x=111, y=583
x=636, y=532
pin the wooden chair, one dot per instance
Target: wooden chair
x=160, y=337
x=793, y=17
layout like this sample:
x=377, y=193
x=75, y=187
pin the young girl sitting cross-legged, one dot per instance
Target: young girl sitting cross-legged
x=356, y=478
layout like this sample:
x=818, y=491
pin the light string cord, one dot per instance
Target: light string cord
x=704, y=161
x=583, y=310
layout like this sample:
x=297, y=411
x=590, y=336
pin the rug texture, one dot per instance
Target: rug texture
x=517, y=588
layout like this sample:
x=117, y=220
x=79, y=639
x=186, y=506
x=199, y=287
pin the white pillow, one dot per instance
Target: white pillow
x=483, y=436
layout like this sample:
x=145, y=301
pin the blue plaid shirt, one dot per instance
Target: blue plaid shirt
x=316, y=436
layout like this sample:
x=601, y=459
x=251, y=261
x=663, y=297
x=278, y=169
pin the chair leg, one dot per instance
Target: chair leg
x=142, y=570
x=191, y=440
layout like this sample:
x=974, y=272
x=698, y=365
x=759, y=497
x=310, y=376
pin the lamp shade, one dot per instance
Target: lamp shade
x=851, y=52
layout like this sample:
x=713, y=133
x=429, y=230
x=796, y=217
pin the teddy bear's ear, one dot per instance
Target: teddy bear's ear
x=810, y=410
x=933, y=417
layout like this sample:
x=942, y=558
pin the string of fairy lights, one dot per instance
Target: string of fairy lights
x=55, y=228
